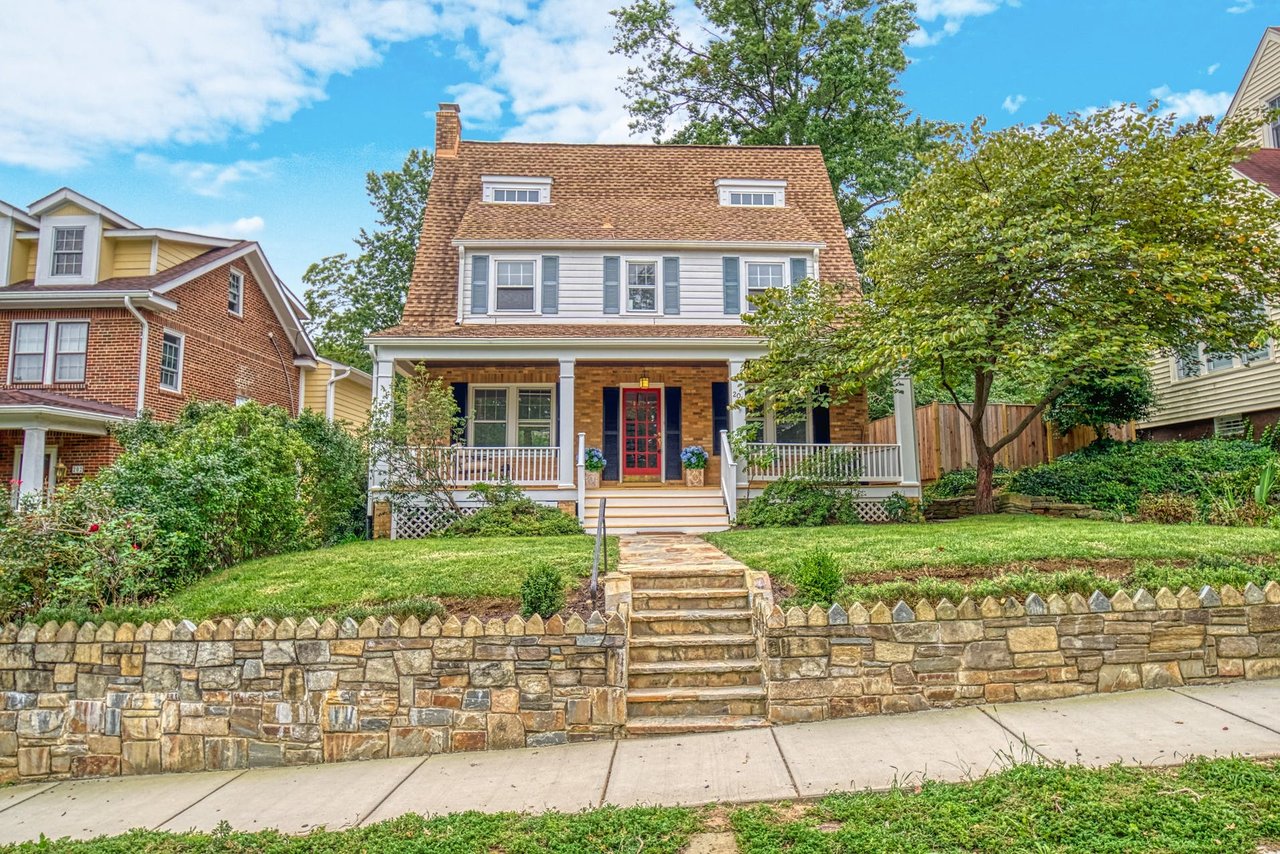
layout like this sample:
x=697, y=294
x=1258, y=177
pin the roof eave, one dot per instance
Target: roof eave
x=87, y=298
x=500, y=243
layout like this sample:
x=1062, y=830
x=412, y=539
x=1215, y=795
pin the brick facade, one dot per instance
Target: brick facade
x=74, y=450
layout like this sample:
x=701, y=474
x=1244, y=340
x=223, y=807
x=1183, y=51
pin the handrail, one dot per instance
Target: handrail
x=728, y=476
x=582, y=477
x=601, y=547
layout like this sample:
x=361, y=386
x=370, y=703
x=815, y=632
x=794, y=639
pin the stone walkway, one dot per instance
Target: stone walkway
x=1143, y=728
x=667, y=550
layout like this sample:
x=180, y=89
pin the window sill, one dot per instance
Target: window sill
x=177, y=392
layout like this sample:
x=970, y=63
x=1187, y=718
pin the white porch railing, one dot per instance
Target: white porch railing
x=582, y=478
x=525, y=466
x=848, y=463
x=728, y=476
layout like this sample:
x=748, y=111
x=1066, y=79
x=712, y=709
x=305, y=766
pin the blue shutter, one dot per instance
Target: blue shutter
x=612, y=284
x=460, y=398
x=671, y=433
x=732, y=290
x=550, y=284
x=479, y=284
x=719, y=414
x=610, y=443
x=670, y=285
x=821, y=422
x=799, y=270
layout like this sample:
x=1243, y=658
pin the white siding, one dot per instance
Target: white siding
x=1261, y=85
x=582, y=285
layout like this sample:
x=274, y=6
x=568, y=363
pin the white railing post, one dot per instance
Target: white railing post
x=848, y=463
x=582, y=477
x=728, y=476
x=904, y=412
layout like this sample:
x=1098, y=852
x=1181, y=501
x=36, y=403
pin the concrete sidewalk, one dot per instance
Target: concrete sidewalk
x=807, y=760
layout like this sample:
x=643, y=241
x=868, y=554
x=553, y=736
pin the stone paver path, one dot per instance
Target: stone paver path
x=640, y=551
x=807, y=760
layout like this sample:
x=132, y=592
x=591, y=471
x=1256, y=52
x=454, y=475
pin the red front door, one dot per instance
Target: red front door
x=641, y=432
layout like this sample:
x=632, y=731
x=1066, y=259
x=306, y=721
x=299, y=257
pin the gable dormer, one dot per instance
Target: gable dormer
x=515, y=190
x=751, y=193
x=1259, y=91
x=71, y=249
x=16, y=231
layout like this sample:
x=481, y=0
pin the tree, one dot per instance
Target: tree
x=783, y=72
x=1101, y=398
x=349, y=298
x=1039, y=256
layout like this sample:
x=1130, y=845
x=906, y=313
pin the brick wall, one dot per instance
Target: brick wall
x=111, y=365
x=81, y=701
x=74, y=449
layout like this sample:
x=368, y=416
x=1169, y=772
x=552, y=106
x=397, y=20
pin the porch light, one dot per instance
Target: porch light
x=644, y=382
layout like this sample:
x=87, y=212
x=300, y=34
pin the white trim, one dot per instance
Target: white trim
x=494, y=261
x=168, y=234
x=88, y=275
x=182, y=358
x=19, y=214
x=82, y=299
x=657, y=286
x=234, y=273
x=491, y=183
x=66, y=194
x=513, y=411
x=363, y=377
x=6, y=246
x=1253, y=64
x=49, y=367
x=54, y=417
x=154, y=264
x=623, y=388
x=725, y=187
x=143, y=343
x=50, y=452
x=780, y=245
x=552, y=349
x=746, y=263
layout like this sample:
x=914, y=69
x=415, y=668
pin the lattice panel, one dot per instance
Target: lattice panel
x=414, y=523
x=872, y=511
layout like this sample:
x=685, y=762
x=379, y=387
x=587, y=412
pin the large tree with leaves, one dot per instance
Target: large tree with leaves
x=1042, y=256
x=350, y=297
x=782, y=72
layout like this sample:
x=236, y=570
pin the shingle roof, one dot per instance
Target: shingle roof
x=1263, y=166
x=33, y=397
x=137, y=283
x=655, y=192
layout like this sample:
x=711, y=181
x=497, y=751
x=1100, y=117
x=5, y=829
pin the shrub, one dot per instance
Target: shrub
x=508, y=512
x=542, y=591
x=901, y=509
x=1168, y=509
x=954, y=484
x=335, y=481
x=798, y=503
x=817, y=578
x=1112, y=475
x=693, y=457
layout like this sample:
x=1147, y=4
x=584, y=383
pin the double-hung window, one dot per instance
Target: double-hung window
x=510, y=416
x=68, y=250
x=642, y=286
x=762, y=275
x=515, y=287
x=235, y=292
x=49, y=351
x=171, y=347
x=1273, y=128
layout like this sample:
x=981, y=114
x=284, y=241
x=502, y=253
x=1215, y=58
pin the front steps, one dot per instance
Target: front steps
x=693, y=660
x=647, y=510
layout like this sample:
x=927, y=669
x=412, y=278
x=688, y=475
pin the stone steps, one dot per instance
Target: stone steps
x=734, y=700
x=694, y=674
x=716, y=621
x=680, y=724
x=695, y=598
x=692, y=648
x=687, y=578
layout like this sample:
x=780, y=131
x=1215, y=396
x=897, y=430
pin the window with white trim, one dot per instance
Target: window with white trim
x=49, y=351
x=777, y=428
x=512, y=416
x=235, y=292
x=29, y=344
x=68, y=250
x=642, y=286
x=515, y=285
x=762, y=275
x=751, y=200
x=171, y=347
x=751, y=192
x=1218, y=361
x=70, y=349
x=515, y=189
x=513, y=195
x=1274, y=128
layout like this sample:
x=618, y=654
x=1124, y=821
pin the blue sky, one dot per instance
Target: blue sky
x=260, y=119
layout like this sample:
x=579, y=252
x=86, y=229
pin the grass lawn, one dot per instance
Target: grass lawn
x=940, y=557
x=1228, y=805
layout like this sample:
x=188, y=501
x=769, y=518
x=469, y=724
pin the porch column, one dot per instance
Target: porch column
x=31, y=474
x=904, y=416
x=568, y=453
x=383, y=377
x=737, y=412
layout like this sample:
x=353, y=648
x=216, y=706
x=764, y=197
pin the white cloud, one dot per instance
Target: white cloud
x=1241, y=7
x=244, y=227
x=1189, y=106
x=951, y=14
x=1013, y=103
x=479, y=103
x=80, y=79
x=1213, y=68
x=207, y=179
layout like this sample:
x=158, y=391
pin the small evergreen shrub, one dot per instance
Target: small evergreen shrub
x=508, y=512
x=817, y=578
x=1168, y=509
x=954, y=484
x=798, y=503
x=900, y=508
x=542, y=592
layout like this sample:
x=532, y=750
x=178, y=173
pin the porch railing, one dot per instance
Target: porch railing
x=846, y=463
x=526, y=466
x=728, y=476
x=582, y=480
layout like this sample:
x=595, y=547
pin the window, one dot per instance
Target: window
x=514, y=283
x=1229, y=426
x=235, y=292
x=1261, y=354
x=489, y=425
x=761, y=277
x=241, y=400
x=68, y=251
x=523, y=197
x=71, y=343
x=1188, y=367
x=772, y=427
x=29, y=341
x=1218, y=361
x=754, y=200
x=642, y=286
x=171, y=362
x=1274, y=128
x=493, y=427
x=533, y=429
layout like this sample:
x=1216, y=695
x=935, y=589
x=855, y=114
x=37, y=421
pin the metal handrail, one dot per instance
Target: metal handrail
x=601, y=549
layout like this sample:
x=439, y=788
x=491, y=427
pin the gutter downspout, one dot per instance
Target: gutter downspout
x=142, y=353
x=328, y=392
x=462, y=285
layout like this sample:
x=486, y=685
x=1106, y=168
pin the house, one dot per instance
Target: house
x=1229, y=394
x=592, y=296
x=102, y=319
x=339, y=392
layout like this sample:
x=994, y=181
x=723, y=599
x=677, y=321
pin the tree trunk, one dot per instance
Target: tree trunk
x=984, y=498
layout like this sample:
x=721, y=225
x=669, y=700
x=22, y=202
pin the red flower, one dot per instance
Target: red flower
x=136, y=547
x=93, y=529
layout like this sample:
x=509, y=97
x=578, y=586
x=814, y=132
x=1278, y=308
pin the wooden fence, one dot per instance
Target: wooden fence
x=945, y=442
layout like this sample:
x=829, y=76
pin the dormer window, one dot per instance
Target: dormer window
x=516, y=190
x=68, y=251
x=751, y=193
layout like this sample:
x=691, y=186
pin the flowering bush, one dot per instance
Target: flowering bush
x=594, y=460
x=694, y=457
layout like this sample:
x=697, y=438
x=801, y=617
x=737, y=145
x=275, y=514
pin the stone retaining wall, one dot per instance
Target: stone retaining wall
x=823, y=664
x=88, y=700
x=941, y=509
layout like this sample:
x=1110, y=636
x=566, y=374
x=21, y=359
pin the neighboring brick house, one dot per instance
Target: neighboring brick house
x=592, y=296
x=1227, y=394
x=101, y=319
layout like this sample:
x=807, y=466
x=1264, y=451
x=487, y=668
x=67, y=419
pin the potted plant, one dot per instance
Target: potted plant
x=593, y=462
x=694, y=460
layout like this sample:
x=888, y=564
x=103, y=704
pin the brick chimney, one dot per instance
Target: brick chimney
x=448, y=130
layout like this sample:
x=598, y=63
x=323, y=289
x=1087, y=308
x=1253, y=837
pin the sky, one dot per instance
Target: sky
x=260, y=118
